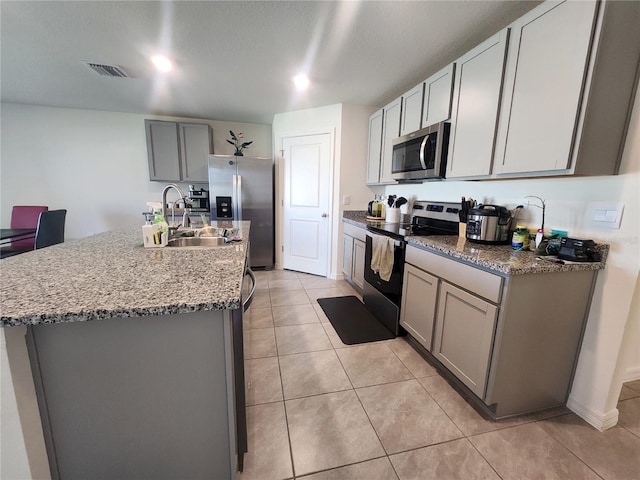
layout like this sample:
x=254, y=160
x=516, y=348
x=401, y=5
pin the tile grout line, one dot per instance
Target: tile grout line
x=284, y=403
x=465, y=436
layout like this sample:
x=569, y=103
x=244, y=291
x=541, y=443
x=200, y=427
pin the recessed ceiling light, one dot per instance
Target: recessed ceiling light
x=301, y=81
x=162, y=63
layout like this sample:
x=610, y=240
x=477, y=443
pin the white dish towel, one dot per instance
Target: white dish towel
x=382, y=256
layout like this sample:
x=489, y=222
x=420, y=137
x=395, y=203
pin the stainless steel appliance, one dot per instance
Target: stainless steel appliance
x=199, y=200
x=383, y=297
x=489, y=224
x=241, y=188
x=421, y=155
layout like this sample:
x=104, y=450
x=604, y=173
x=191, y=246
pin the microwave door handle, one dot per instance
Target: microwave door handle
x=422, y=147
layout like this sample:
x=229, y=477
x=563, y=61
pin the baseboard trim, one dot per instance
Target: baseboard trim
x=601, y=421
x=632, y=373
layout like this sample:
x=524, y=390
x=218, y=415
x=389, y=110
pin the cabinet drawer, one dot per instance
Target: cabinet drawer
x=484, y=284
x=355, y=232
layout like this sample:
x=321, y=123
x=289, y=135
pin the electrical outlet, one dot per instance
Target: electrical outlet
x=608, y=214
x=346, y=199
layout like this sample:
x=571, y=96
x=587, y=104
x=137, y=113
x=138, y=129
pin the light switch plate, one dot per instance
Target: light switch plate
x=607, y=214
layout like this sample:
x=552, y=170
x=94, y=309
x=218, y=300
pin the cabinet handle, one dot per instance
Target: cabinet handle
x=324, y=215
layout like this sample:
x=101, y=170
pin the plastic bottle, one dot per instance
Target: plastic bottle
x=520, y=239
x=163, y=230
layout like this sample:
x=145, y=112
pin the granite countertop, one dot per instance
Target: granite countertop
x=112, y=275
x=500, y=259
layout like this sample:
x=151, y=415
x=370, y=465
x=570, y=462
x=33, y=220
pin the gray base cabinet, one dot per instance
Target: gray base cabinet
x=418, y=311
x=511, y=341
x=178, y=152
x=138, y=398
x=353, y=248
x=464, y=335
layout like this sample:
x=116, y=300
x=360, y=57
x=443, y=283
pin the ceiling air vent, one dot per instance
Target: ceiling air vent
x=109, y=70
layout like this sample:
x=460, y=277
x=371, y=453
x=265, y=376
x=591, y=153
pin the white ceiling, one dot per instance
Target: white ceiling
x=235, y=59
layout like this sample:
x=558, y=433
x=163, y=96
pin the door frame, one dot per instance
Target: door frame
x=279, y=210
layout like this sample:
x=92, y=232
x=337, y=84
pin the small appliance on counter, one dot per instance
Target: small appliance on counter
x=576, y=250
x=199, y=199
x=489, y=224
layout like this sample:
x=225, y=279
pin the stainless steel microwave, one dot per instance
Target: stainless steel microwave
x=422, y=154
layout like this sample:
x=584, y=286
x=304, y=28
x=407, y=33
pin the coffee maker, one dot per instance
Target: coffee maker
x=199, y=199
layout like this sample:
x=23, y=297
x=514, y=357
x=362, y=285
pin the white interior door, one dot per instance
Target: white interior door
x=306, y=196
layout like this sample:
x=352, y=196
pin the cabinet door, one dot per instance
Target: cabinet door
x=464, y=335
x=412, y=110
x=358, y=263
x=419, y=297
x=438, y=92
x=476, y=100
x=347, y=255
x=543, y=87
x=195, y=143
x=375, y=147
x=390, y=131
x=163, y=150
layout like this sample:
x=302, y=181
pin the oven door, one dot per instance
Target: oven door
x=392, y=289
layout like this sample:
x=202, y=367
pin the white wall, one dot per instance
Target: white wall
x=570, y=207
x=92, y=163
x=348, y=126
x=353, y=157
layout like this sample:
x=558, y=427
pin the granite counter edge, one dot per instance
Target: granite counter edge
x=88, y=316
x=358, y=219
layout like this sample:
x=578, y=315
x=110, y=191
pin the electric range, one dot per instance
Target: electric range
x=383, y=295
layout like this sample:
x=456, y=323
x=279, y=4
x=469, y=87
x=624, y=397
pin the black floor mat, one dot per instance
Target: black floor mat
x=353, y=322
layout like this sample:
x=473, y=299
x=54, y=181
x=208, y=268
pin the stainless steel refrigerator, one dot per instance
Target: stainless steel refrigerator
x=241, y=188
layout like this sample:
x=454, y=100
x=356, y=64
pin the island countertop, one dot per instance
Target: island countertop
x=500, y=259
x=111, y=275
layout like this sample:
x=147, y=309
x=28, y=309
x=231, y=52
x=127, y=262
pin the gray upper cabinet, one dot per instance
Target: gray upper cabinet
x=559, y=114
x=178, y=152
x=544, y=86
x=390, y=131
x=375, y=147
x=412, y=110
x=438, y=94
x=476, y=100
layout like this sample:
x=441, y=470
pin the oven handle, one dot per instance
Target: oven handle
x=397, y=243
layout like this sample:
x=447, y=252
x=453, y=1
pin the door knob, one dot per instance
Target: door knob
x=324, y=215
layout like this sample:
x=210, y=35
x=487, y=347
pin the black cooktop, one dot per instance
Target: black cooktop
x=396, y=230
x=427, y=218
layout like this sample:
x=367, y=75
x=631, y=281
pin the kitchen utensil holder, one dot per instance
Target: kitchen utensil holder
x=393, y=215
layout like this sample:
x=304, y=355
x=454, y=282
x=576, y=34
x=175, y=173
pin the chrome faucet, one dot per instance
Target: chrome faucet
x=185, y=217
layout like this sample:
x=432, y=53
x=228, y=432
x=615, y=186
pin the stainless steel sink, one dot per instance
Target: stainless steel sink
x=197, y=242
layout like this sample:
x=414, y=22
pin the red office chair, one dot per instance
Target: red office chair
x=23, y=216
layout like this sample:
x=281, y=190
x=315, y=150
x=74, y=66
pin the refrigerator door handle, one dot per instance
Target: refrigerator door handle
x=238, y=215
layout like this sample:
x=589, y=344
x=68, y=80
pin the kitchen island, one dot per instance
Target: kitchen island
x=132, y=354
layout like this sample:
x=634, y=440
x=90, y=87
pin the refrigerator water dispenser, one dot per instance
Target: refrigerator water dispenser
x=223, y=207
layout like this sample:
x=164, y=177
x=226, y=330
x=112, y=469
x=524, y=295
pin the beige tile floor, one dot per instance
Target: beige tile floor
x=321, y=410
